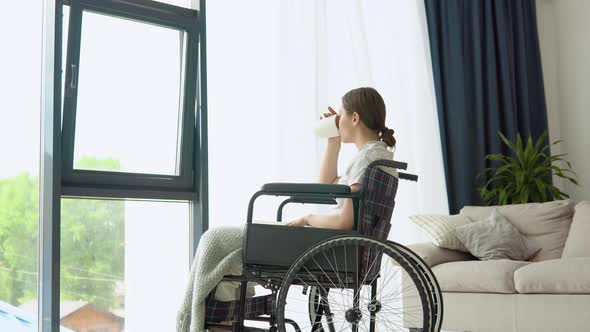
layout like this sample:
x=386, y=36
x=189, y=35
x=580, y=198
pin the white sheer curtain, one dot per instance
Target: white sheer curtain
x=273, y=66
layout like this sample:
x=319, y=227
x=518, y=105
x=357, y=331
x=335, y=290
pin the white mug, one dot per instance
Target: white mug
x=327, y=127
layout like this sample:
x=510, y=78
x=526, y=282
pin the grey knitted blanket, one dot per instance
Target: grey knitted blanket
x=219, y=252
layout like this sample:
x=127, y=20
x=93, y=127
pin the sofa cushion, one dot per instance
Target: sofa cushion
x=494, y=238
x=556, y=276
x=434, y=255
x=494, y=276
x=545, y=225
x=577, y=244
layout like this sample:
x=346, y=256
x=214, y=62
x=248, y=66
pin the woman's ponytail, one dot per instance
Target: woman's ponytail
x=387, y=136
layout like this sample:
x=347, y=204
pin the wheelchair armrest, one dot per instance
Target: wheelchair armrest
x=305, y=188
x=312, y=200
x=304, y=200
x=319, y=193
x=407, y=176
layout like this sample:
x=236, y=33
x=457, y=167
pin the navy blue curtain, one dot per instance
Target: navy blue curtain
x=487, y=74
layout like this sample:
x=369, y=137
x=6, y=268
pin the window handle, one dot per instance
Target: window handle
x=73, y=76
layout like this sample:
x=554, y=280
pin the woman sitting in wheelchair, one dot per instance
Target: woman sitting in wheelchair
x=360, y=121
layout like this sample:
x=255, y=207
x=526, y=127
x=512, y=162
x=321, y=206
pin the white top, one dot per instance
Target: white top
x=371, y=151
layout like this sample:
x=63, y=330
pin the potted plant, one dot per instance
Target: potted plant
x=527, y=175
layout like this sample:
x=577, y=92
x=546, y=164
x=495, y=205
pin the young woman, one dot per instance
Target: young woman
x=361, y=121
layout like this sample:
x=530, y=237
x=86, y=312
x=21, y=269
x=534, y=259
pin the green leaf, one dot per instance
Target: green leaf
x=572, y=180
x=503, y=197
x=533, y=162
x=497, y=157
x=520, y=154
x=507, y=168
x=540, y=140
x=490, y=182
x=511, y=191
x=533, y=154
x=528, y=151
x=541, y=170
x=524, y=196
x=487, y=170
x=559, y=172
x=557, y=157
x=519, y=180
x=557, y=194
x=519, y=147
x=507, y=142
x=542, y=189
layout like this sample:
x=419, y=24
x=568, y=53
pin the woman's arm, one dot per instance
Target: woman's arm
x=343, y=220
x=329, y=168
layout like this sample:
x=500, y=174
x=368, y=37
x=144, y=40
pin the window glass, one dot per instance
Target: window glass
x=20, y=93
x=129, y=95
x=122, y=261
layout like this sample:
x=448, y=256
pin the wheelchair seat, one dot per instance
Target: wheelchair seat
x=280, y=246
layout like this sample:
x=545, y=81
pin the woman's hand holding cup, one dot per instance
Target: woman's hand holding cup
x=331, y=114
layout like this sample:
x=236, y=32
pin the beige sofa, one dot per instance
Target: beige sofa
x=549, y=293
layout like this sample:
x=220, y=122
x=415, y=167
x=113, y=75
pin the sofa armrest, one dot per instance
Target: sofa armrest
x=434, y=255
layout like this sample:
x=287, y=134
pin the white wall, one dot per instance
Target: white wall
x=564, y=36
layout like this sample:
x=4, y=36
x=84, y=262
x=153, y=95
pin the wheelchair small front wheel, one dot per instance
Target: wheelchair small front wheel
x=353, y=283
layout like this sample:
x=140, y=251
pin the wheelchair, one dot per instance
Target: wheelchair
x=332, y=280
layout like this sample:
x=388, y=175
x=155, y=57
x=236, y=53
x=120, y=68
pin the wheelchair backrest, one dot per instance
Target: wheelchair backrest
x=378, y=189
x=378, y=200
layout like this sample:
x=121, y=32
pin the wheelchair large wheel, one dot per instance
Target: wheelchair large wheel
x=430, y=280
x=354, y=283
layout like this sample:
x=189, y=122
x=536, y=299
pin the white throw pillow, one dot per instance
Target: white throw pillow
x=441, y=229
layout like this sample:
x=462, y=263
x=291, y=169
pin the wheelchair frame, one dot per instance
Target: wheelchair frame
x=271, y=277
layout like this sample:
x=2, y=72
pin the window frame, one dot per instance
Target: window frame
x=52, y=187
x=109, y=184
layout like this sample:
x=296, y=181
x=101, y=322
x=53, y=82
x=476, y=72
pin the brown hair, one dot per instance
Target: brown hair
x=367, y=102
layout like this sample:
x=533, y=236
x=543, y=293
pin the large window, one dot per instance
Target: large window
x=130, y=199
